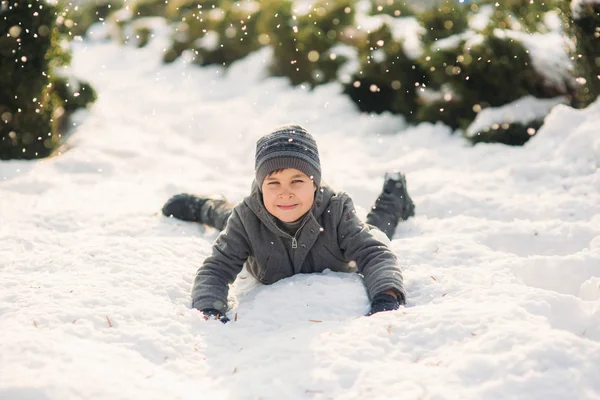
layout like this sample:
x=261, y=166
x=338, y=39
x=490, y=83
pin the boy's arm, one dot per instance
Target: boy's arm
x=229, y=252
x=374, y=259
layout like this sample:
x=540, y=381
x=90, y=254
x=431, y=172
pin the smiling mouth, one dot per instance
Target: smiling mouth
x=287, y=207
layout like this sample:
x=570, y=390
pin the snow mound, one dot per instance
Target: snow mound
x=524, y=110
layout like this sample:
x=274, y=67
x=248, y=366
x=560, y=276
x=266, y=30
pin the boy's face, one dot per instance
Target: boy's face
x=288, y=194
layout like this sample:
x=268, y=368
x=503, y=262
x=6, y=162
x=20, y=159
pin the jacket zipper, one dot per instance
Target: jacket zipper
x=294, y=240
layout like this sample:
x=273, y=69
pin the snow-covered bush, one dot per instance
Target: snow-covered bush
x=34, y=100
x=303, y=38
x=484, y=70
x=148, y=8
x=497, y=59
x=225, y=31
x=388, y=76
x=214, y=35
x=393, y=8
x=82, y=16
x=584, y=28
x=522, y=15
x=445, y=19
x=383, y=74
x=439, y=60
x=513, y=123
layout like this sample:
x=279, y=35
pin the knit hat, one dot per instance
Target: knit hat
x=289, y=146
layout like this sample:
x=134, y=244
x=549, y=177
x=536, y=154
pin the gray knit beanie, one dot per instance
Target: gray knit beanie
x=289, y=146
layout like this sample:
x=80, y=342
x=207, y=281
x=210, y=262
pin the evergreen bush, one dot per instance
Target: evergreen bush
x=34, y=101
x=444, y=20
x=148, y=8
x=472, y=56
x=513, y=123
x=515, y=134
x=479, y=71
x=223, y=32
x=477, y=67
x=215, y=35
x=393, y=8
x=388, y=78
x=78, y=18
x=303, y=43
x=521, y=15
x=584, y=29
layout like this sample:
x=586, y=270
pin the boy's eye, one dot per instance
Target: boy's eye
x=273, y=183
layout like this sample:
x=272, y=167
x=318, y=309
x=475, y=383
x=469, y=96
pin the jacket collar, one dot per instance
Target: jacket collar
x=255, y=202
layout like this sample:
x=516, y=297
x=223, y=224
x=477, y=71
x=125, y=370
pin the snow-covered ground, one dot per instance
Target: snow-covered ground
x=502, y=261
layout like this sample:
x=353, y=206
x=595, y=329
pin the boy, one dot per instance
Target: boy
x=293, y=223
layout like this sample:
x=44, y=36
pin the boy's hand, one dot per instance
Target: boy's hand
x=211, y=313
x=383, y=302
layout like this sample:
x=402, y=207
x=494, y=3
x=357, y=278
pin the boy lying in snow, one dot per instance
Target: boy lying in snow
x=293, y=223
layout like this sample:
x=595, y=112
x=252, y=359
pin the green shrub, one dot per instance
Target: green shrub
x=446, y=19
x=393, y=8
x=479, y=71
x=388, y=79
x=516, y=134
x=448, y=109
x=216, y=35
x=148, y=8
x=303, y=43
x=77, y=19
x=512, y=123
x=223, y=32
x=74, y=94
x=521, y=15
x=473, y=56
x=32, y=105
x=142, y=35
x=584, y=29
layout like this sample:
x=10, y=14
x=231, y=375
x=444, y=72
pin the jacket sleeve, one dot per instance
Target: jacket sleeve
x=374, y=259
x=219, y=270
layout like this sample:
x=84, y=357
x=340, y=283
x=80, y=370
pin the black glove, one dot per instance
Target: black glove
x=185, y=207
x=211, y=313
x=383, y=302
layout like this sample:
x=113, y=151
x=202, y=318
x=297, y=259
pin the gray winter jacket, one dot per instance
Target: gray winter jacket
x=331, y=237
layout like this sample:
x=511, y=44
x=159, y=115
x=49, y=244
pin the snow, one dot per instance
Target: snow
x=406, y=30
x=351, y=66
x=548, y=52
x=210, y=41
x=553, y=21
x=578, y=7
x=249, y=7
x=524, y=110
x=471, y=39
x=303, y=7
x=502, y=260
x=478, y=21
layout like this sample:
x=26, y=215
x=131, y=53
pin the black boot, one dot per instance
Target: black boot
x=393, y=204
x=186, y=207
x=395, y=185
x=205, y=210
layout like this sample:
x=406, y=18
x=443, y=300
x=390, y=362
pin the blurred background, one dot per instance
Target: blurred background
x=465, y=64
